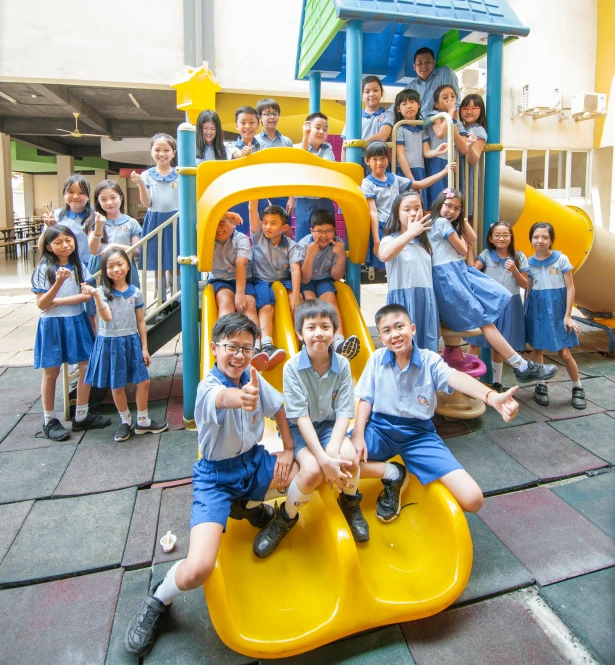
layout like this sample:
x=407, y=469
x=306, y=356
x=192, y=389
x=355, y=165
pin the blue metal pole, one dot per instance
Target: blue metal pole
x=495, y=55
x=315, y=81
x=354, y=67
x=186, y=139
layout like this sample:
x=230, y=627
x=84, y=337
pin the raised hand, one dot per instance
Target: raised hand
x=136, y=177
x=249, y=393
x=87, y=289
x=48, y=215
x=418, y=225
x=246, y=150
x=62, y=274
x=504, y=404
x=307, y=127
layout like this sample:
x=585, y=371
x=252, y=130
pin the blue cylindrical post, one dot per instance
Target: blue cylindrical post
x=315, y=81
x=354, y=67
x=186, y=143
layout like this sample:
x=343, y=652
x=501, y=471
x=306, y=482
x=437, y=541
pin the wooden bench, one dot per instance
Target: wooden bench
x=10, y=246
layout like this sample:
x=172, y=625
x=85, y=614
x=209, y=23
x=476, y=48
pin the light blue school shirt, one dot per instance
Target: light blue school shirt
x=123, y=310
x=325, y=151
x=163, y=190
x=272, y=262
x=549, y=273
x=326, y=397
x=384, y=192
x=411, y=268
x=226, y=255
x=279, y=141
x=226, y=433
x=439, y=76
x=256, y=146
x=120, y=230
x=210, y=156
x=371, y=123
x=441, y=249
x=40, y=284
x=412, y=138
x=408, y=392
x=323, y=261
x=75, y=222
x=435, y=141
x=494, y=268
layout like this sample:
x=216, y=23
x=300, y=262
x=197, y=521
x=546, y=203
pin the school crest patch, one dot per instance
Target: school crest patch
x=174, y=184
x=255, y=417
x=553, y=271
x=423, y=401
x=334, y=396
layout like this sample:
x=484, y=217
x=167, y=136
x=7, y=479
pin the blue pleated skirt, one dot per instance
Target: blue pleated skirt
x=62, y=339
x=371, y=259
x=466, y=297
x=420, y=303
x=511, y=324
x=94, y=267
x=544, y=321
x=152, y=221
x=434, y=166
x=116, y=361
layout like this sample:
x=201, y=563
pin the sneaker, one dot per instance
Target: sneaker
x=351, y=507
x=152, y=428
x=259, y=516
x=260, y=361
x=535, y=372
x=55, y=431
x=349, y=348
x=268, y=539
x=123, y=433
x=276, y=356
x=141, y=632
x=541, y=394
x=578, y=398
x=498, y=387
x=93, y=420
x=389, y=500
x=163, y=314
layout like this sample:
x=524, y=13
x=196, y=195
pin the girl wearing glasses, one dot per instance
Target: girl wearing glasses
x=508, y=266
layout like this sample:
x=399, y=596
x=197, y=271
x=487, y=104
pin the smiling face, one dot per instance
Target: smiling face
x=372, y=94
x=500, y=236
x=541, y=241
x=247, y=126
x=317, y=334
x=323, y=234
x=162, y=153
x=470, y=114
x=110, y=201
x=233, y=365
x=424, y=65
x=224, y=230
x=209, y=132
x=117, y=269
x=319, y=130
x=269, y=119
x=273, y=226
x=451, y=208
x=378, y=165
x=75, y=199
x=62, y=246
x=409, y=109
x=396, y=332
x=410, y=208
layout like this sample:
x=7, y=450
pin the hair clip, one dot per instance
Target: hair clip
x=449, y=193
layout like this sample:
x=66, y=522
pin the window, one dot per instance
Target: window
x=535, y=169
x=557, y=173
x=578, y=174
x=514, y=159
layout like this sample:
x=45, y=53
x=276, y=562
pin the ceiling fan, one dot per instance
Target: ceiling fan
x=76, y=133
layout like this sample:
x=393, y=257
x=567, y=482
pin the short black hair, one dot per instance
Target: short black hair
x=246, y=109
x=424, y=51
x=311, y=309
x=277, y=210
x=318, y=114
x=231, y=324
x=393, y=308
x=267, y=104
x=322, y=216
x=371, y=79
x=376, y=149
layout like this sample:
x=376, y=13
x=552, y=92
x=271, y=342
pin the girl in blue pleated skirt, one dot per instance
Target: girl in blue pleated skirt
x=120, y=354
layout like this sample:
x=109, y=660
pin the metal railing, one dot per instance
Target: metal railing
x=152, y=291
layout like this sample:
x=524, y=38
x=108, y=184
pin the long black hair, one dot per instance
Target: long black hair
x=106, y=282
x=84, y=186
x=476, y=100
x=90, y=223
x=49, y=261
x=407, y=95
x=393, y=224
x=436, y=208
x=218, y=143
x=512, y=252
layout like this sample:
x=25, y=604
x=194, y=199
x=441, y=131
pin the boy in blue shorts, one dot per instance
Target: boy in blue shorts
x=235, y=473
x=397, y=393
x=324, y=261
x=277, y=258
x=319, y=404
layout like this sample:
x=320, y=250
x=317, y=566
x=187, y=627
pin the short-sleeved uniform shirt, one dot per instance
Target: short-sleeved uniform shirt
x=272, y=262
x=412, y=138
x=549, y=273
x=279, y=141
x=384, y=192
x=71, y=287
x=371, y=123
x=325, y=151
x=441, y=248
x=209, y=155
x=322, y=398
x=323, y=261
x=227, y=433
x=408, y=392
x=435, y=141
x=256, y=146
x=123, y=310
x=226, y=255
x=120, y=231
x=494, y=268
x=75, y=221
x=163, y=190
x=439, y=76
x=411, y=268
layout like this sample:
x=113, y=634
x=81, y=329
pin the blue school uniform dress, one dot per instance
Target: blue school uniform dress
x=323, y=398
x=306, y=205
x=224, y=271
x=411, y=285
x=271, y=263
x=75, y=221
x=512, y=322
x=371, y=123
x=412, y=138
x=466, y=297
x=383, y=192
x=279, y=141
x=480, y=133
x=233, y=464
x=117, y=358
x=436, y=164
x=546, y=304
x=164, y=192
x=403, y=403
x=321, y=281
x=64, y=333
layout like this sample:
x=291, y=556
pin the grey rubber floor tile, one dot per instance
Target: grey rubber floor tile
x=23, y=436
x=174, y=516
x=143, y=529
x=595, y=433
x=12, y=516
x=176, y=455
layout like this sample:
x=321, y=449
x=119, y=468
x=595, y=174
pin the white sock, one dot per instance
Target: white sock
x=577, y=384
x=266, y=340
x=497, y=369
x=257, y=344
x=143, y=419
x=337, y=340
x=295, y=499
x=168, y=589
x=276, y=493
x=81, y=413
x=126, y=417
x=353, y=484
x=517, y=362
x=49, y=415
x=253, y=504
x=391, y=472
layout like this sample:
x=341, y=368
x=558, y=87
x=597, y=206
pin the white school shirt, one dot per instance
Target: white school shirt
x=494, y=268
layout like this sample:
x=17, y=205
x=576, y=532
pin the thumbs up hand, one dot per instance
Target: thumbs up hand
x=249, y=393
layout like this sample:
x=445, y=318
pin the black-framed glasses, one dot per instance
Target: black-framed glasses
x=501, y=236
x=234, y=349
x=451, y=206
x=270, y=115
x=327, y=232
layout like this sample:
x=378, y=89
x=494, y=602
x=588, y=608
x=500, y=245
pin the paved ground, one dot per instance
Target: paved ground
x=80, y=522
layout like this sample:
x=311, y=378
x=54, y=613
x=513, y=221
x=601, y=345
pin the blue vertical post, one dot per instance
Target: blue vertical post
x=354, y=72
x=315, y=85
x=495, y=54
x=186, y=139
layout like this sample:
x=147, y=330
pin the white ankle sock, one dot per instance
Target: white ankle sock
x=497, y=369
x=295, y=499
x=81, y=413
x=143, y=419
x=391, y=472
x=266, y=340
x=168, y=589
x=518, y=362
x=126, y=417
x=49, y=415
x=577, y=384
x=337, y=340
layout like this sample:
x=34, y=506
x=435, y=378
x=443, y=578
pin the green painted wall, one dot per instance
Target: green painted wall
x=25, y=159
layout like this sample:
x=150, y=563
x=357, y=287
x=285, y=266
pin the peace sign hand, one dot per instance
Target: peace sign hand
x=48, y=215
